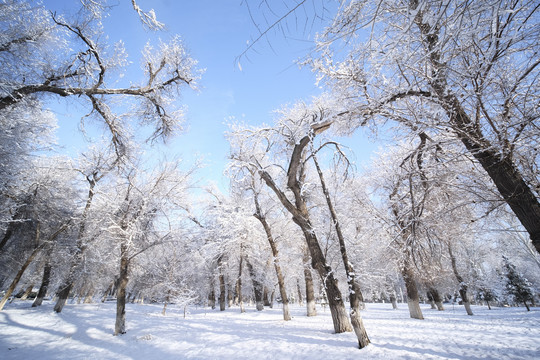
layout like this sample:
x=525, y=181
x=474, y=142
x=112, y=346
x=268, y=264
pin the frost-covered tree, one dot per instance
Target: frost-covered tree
x=295, y=131
x=467, y=69
x=517, y=285
x=46, y=54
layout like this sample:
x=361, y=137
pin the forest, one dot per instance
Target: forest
x=446, y=214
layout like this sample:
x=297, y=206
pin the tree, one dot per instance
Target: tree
x=517, y=285
x=144, y=199
x=467, y=69
x=299, y=126
x=46, y=54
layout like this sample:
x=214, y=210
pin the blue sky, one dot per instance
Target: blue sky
x=215, y=32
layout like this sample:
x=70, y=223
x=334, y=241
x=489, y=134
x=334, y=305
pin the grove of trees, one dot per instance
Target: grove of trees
x=446, y=212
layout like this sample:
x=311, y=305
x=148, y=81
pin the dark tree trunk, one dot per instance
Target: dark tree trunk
x=44, y=285
x=120, y=324
x=63, y=295
x=393, y=301
x=212, y=294
x=435, y=295
x=462, y=285
x=239, y=285
x=107, y=292
x=266, y=299
x=29, y=260
x=222, y=289
x=257, y=286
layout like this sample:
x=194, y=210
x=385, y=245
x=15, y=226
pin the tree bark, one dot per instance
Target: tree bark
x=355, y=294
x=44, y=285
x=120, y=324
x=462, y=285
x=222, y=290
x=65, y=289
x=434, y=293
x=212, y=295
x=257, y=286
x=413, y=299
x=275, y=254
x=27, y=292
x=29, y=260
x=310, y=289
x=239, y=285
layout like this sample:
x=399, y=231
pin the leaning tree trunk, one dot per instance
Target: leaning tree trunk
x=355, y=294
x=257, y=286
x=29, y=260
x=44, y=285
x=67, y=286
x=120, y=324
x=275, y=254
x=462, y=285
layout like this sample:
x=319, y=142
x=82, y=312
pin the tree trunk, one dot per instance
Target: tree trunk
x=310, y=291
x=107, y=292
x=299, y=290
x=394, y=302
x=266, y=299
x=120, y=324
x=29, y=260
x=221, y=278
x=355, y=294
x=239, y=284
x=63, y=295
x=257, y=286
x=413, y=299
x=27, y=292
x=81, y=248
x=434, y=293
x=229, y=295
x=222, y=290
x=44, y=285
x=212, y=294
x=461, y=281
x=526, y=305
x=275, y=254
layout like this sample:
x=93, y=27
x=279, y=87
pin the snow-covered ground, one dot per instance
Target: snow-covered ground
x=85, y=332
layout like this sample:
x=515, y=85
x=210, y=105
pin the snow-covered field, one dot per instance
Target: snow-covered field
x=85, y=332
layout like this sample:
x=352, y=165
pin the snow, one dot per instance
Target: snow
x=85, y=332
